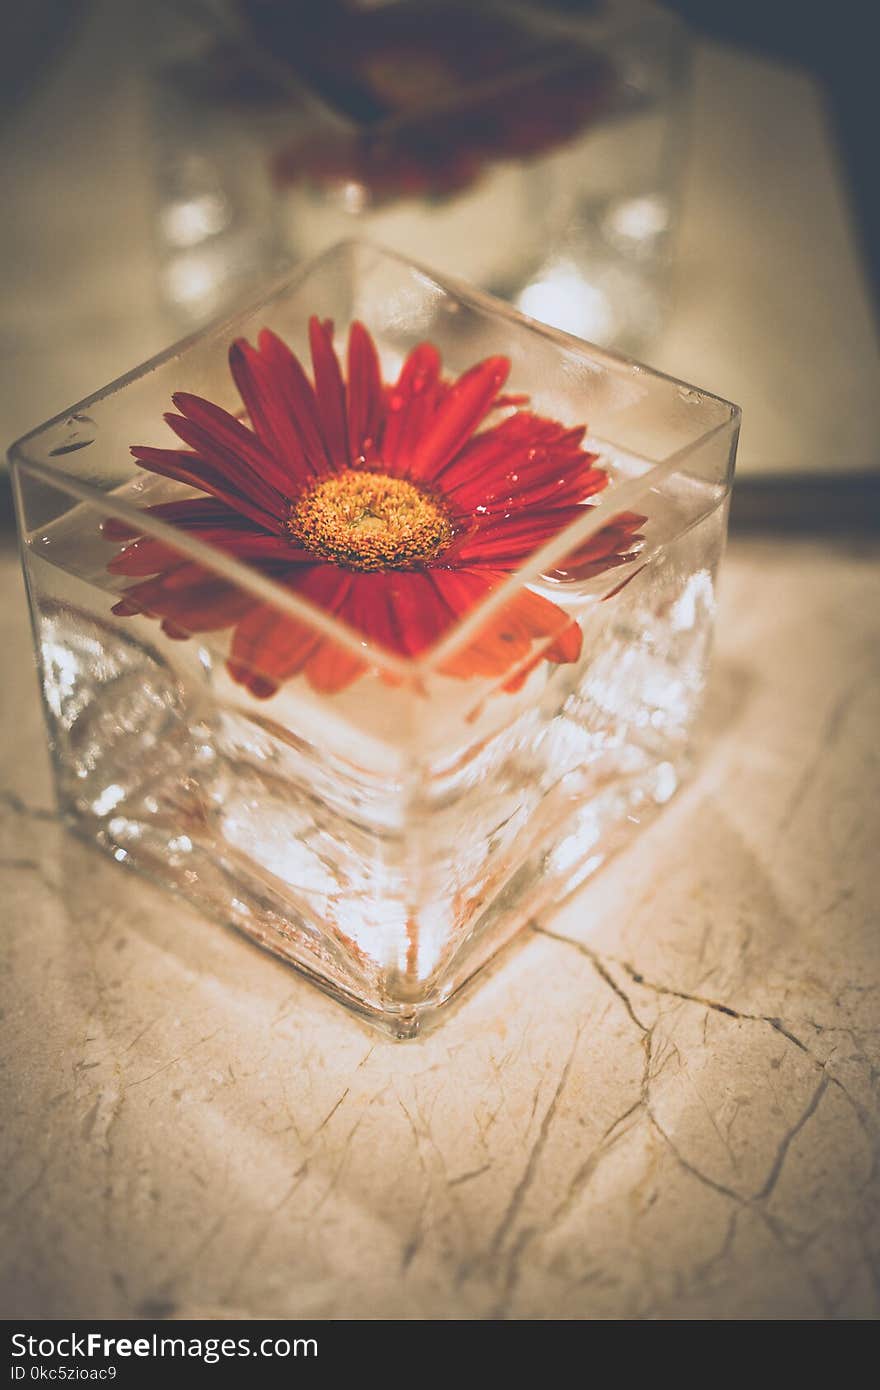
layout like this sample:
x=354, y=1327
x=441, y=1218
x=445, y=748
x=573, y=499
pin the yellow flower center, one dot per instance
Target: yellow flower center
x=368, y=521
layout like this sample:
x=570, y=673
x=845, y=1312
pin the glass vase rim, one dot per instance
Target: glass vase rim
x=602, y=508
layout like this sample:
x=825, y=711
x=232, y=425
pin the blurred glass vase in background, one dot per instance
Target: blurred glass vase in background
x=532, y=151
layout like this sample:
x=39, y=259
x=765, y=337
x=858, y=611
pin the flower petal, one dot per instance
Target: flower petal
x=616, y=544
x=329, y=391
x=145, y=556
x=194, y=513
x=229, y=465
x=280, y=402
x=524, y=461
x=369, y=610
x=188, y=598
x=461, y=410
x=499, y=645
x=411, y=404
x=297, y=399
x=235, y=440
x=419, y=615
x=332, y=668
x=366, y=403
x=269, y=647
x=187, y=468
x=508, y=637
x=506, y=541
x=210, y=520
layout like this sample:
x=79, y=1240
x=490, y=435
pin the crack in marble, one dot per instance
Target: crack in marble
x=755, y=1201
x=187, y=1052
x=470, y=1175
x=332, y=1111
x=11, y=801
x=143, y=1032
x=255, y=1244
x=714, y=1005
x=776, y=1166
x=421, y=1226
x=578, y=1184
x=788, y=1140
x=521, y=1189
x=519, y=1194
x=707, y=1267
x=793, y=1254
x=338, y=1170
x=598, y=964
x=31, y=1188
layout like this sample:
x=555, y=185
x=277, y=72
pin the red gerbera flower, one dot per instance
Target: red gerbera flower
x=388, y=507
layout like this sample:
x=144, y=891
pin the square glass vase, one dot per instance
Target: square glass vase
x=377, y=724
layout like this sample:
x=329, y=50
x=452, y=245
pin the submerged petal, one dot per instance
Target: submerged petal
x=332, y=668
x=268, y=646
x=507, y=640
x=187, y=599
x=617, y=543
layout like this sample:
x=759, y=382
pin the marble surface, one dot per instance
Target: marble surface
x=662, y=1103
